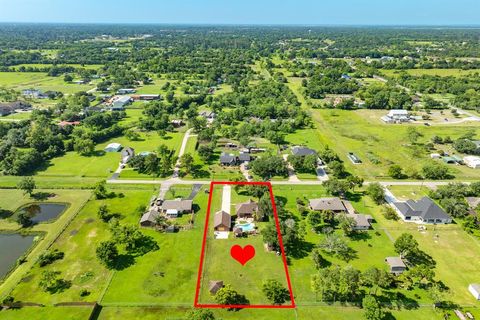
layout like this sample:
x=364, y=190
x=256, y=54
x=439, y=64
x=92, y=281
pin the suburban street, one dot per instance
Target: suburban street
x=430, y=184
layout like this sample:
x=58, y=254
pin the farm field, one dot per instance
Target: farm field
x=13, y=199
x=380, y=145
x=39, y=80
x=103, y=164
x=432, y=72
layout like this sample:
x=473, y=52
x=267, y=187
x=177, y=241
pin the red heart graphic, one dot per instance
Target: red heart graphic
x=242, y=255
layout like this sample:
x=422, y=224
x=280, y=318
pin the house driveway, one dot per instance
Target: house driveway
x=292, y=177
x=226, y=198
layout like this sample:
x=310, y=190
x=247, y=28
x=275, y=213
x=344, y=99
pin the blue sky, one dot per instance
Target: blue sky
x=306, y=12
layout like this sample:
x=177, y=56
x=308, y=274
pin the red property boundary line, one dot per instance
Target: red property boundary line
x=280, y=241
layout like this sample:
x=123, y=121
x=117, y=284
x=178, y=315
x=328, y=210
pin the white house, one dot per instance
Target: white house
x=396, y=116
x=113, y=147
x=472, y=162
x=421, y=211
x=475, y=290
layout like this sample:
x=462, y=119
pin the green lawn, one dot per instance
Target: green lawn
x=301, y=313
x=11, y=200
x=39, y=80
x=78, y=242
x=167, y=276
x=50, y=313
x=102, y=165
x=431, y=72
x=219, y=265
x=362, y=132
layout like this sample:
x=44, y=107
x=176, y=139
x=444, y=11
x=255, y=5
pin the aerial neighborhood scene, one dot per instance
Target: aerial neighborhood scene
x=238, y=160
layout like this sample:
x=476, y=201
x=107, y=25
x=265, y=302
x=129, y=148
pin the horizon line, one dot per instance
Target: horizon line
x=408, y=25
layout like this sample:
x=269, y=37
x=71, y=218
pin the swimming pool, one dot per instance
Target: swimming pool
x=246, y=227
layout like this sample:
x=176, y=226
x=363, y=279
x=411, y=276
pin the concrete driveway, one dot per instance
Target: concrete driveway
x=226, y=198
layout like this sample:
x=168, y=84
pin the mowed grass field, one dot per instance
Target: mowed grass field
x=79, y=241
x=103, y=164
x=166, y=277
x=431, y=72
x=13, y=199
x=372, y=141
x=219, y=265
x=39, y=80
x=163, y=282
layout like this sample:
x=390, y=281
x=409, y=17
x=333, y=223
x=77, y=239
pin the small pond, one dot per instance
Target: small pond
x=12, y=247
x=42, y=212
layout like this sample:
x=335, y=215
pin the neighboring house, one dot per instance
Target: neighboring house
x=423, y=211
x=362, y=221
x=302, y=151
x=127, y=154
x=214, y=286
x=177, y=123
x=396, y=264
x=472, y=162
x=149, y=218
x=5, y=111
x=397, y=116
x=228, y=159
x=244, y=157
x=120, y=103
x=181, y=206
x=113, y=147
x=222, y=221
x=246, y=209
x=126, y=91
x=35, y=94
x=475, y=290
x=335, y=205
x=92, y=110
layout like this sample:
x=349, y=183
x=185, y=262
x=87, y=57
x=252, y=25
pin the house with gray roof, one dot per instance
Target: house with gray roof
x=421, y=211
x=127, y=154
x=246, y=209
x=222, y=221
x=335, y=205
x=228, y=159
x=244, y=157
x=362, y=221
x=302, y=151
x=149, y=218
x=178, y=205
x=396, y=264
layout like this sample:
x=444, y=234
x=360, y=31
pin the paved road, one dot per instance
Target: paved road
x=430, y=184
